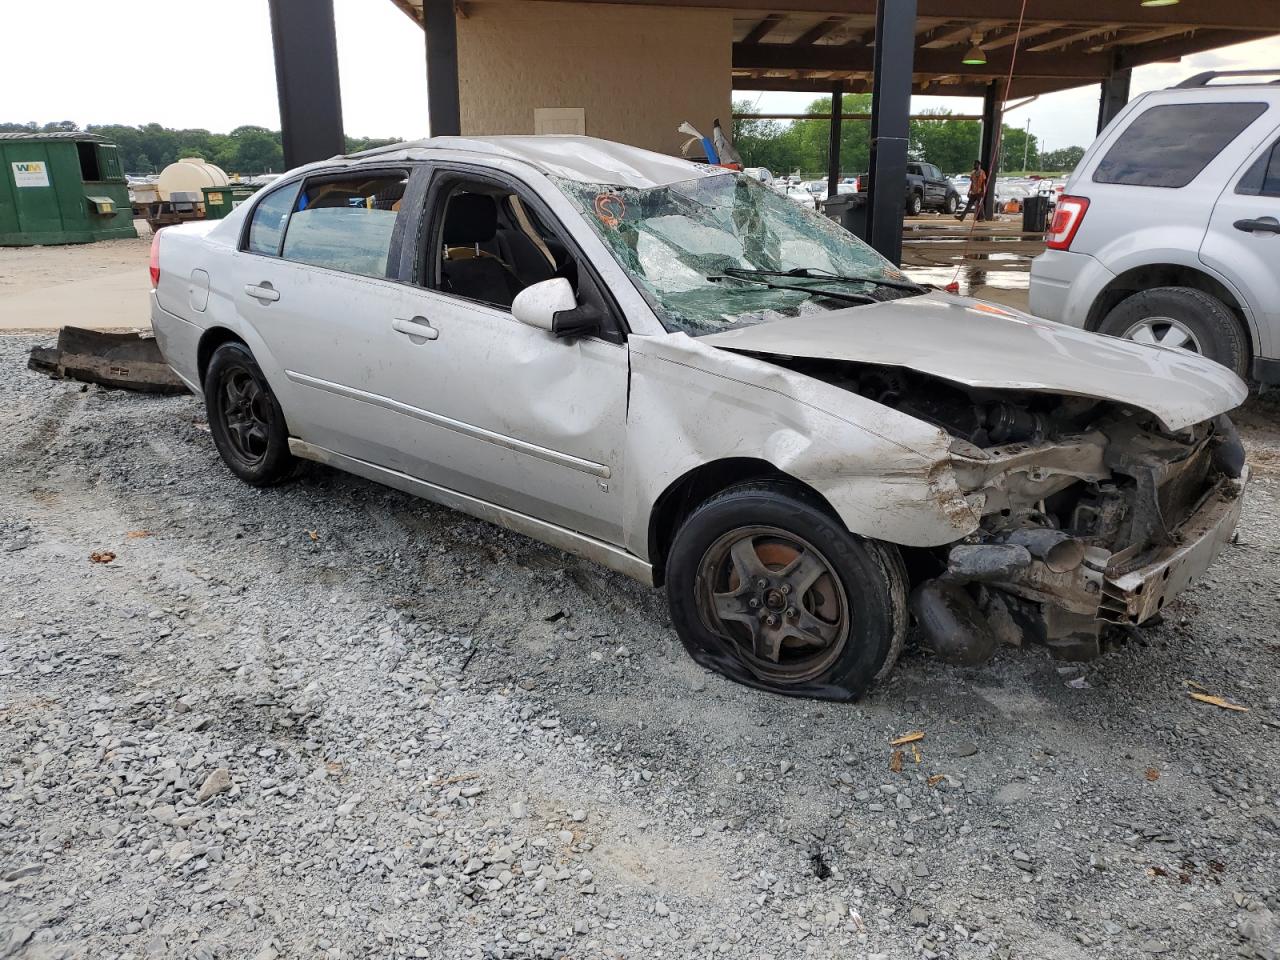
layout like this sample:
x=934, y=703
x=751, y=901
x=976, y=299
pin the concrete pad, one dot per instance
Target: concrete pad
x=101, y=285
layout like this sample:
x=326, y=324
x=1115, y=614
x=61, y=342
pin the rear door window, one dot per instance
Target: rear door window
x=346, y=223
x=1168, y=145
x=1263, y=178
x=269, y=216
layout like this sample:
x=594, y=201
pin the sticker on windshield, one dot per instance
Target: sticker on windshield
x=610, y=208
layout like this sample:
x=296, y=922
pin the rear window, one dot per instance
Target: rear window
x=1168, y=145
x=345, y=224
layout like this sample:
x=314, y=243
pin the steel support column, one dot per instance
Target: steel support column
x=440, y=24
x=992, y=117
x=1115, y=95
x=890, y=124
x=306, y=51
x=833, y=143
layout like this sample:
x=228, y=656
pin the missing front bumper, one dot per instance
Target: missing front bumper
x=1137, y=595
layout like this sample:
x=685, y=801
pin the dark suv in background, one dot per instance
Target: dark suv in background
x=927, y=189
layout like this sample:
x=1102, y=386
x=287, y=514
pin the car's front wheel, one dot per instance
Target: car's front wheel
x=245, y=419
x=1183, y=318
x=766, y=586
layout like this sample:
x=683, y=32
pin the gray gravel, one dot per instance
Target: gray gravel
x=328, y=720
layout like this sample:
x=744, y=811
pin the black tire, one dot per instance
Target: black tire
x=952, y=204
x=915, y=203
x=245, y=419
x=859, y=597
x=1172, y=313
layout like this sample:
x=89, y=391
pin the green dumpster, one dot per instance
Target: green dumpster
x=64, y=187
x=219, y=201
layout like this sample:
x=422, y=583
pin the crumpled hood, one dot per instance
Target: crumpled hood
x=982, y=345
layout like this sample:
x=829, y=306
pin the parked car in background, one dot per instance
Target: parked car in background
x=1168, y=232
x=672, y=370
x=927, y=189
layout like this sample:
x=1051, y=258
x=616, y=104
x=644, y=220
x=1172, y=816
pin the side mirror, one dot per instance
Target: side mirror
x=538, y=304
x=550, y=305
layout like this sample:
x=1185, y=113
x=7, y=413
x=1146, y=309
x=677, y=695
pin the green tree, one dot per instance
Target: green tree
x=951, y=145
x=1063, y=160
x=1015, y=145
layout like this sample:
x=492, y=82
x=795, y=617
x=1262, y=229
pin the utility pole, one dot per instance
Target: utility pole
x=1026, y=145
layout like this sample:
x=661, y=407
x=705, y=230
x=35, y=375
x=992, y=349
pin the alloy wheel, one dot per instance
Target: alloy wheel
x=1164, y=332
x=246, y=414
x=777, y=599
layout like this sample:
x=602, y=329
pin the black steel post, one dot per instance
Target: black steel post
x=992, y=117
x=890, y=124
x=306, y=51
x=441, y=27
x=1115, y=95
x=833, y=143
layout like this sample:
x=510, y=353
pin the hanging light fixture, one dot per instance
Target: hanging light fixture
x=976, y=57
x=1157, y=3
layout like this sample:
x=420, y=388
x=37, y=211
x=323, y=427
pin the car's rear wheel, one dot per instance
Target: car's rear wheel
x=915, y=204
x=245, y=419
x=766, y=586
x=1183, y=318
x=953, y=203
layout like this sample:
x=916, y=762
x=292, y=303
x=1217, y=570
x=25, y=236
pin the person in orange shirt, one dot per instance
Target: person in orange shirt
x=977, y=193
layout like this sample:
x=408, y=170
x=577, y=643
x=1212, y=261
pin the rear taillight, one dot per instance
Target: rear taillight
x=155, y=260
x=1067, y=218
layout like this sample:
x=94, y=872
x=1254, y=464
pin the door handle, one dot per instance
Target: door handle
x=418, y=328
x=1260, y=225
x=262, y=291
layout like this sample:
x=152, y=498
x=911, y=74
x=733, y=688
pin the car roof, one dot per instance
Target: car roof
x=584, y=159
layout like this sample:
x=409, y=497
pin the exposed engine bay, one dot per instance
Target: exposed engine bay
x=1092, y=514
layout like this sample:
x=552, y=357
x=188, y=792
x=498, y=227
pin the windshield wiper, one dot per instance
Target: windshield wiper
x=808, y=273
x=748, y=276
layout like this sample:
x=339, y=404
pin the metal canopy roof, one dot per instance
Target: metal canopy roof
x=808, y=44
x=54, y=135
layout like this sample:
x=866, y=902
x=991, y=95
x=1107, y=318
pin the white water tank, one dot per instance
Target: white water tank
x=189, y=175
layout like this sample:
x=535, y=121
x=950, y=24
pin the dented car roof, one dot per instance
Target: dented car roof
x=585, y=159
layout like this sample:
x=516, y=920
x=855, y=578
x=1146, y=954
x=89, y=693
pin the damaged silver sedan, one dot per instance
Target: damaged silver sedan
x=680, y=374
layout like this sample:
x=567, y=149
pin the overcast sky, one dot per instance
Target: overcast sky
x=185, y=64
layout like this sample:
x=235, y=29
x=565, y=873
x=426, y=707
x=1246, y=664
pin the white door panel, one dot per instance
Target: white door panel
x=325, y=331
x=509, y=413
x=1250, y=259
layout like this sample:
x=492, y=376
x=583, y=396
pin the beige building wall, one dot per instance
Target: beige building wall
x=635, y=72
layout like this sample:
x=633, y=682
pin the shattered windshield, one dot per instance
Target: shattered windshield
x=725, y=251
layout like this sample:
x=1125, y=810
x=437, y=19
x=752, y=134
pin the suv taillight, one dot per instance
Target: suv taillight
x=155, y=260
x=1067, y=218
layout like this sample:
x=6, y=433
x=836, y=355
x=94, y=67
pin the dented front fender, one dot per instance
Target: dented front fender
x=887, y=474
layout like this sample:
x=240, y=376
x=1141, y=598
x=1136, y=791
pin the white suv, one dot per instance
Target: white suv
x=1169, y=229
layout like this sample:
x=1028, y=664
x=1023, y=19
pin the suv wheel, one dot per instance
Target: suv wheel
x=953, y=201
x=768, y=588
x=915, y=205
x=245, y=418
x=1183, y=318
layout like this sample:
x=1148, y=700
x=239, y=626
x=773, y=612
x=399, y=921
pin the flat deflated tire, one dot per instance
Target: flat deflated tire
x=766, y=586
x=245, y=419
x=1183, y=318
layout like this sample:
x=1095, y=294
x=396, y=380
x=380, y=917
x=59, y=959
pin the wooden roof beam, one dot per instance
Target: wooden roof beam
x=763, y=28
x=1057, y=43
x=1027, y=33
x=818, y=31
x=963, y=35
x=1082, y=67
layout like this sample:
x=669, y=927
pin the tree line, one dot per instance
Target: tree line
x=952, y=145
x=247, y=150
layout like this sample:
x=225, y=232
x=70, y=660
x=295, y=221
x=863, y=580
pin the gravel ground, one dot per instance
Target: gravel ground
x=329, y=720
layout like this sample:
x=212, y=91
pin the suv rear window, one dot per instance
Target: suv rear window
x=1168, y=145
